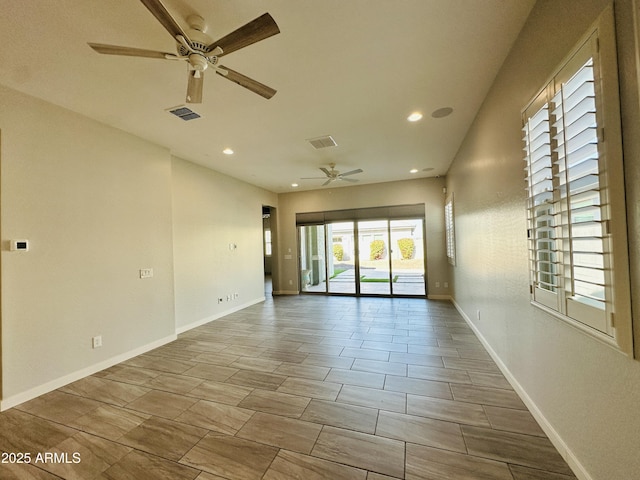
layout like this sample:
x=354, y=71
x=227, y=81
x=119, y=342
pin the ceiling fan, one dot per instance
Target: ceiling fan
x=333, y=175
x=199, y=51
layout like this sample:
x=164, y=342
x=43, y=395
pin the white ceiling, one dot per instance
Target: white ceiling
x=353, y=69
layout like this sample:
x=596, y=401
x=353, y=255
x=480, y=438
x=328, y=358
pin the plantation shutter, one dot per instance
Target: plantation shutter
x=543, y=247
x=564, y=162
x=450, y=230
x=575, y=193
x=579, y=162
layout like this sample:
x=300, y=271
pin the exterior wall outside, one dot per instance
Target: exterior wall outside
x=585, y=393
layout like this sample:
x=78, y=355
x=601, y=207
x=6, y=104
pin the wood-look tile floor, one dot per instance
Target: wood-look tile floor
x=304, y=387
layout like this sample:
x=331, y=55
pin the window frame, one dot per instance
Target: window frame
x=615, y=328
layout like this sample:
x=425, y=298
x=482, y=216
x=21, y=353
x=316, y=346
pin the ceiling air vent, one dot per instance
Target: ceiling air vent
x=322, y=142
x=183, y=112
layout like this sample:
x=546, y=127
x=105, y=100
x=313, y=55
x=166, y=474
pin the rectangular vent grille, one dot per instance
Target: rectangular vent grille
x=183, y=112
x=322, y=142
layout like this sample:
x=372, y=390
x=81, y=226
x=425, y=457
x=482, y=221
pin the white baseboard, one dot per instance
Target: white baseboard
x=32, y=393
x=79, y=374
x=439, y=297
x=548, y=428
x=211, y=318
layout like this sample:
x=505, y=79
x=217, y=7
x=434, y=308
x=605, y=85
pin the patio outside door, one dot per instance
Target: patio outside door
x=313, y=274
x=407, y=256
x=364, y=257
x=341, y=257
x=374, y=257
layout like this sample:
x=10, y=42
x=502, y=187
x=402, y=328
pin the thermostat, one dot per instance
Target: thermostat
x=19, y=245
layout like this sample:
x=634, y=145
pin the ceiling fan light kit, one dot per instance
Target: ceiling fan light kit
x=199, y=50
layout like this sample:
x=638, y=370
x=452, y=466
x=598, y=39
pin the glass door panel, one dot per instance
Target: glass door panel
x=374, y=257
x=313, y=275
x=407, y=257
x=341, y=258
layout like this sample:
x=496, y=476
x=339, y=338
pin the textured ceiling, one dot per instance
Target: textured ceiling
x=353, y=69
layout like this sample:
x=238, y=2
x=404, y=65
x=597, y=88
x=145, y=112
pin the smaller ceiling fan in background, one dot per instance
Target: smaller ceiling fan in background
x=333, y=175
x=199, y=50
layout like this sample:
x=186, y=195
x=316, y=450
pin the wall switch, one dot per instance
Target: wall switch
x=146, y=272
x=478, y=314
x=446, y=284
x=96, y=342
x=19, y=245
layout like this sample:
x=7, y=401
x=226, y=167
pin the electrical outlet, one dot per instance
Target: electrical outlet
x=446, y=284
x=437, y=284
x=146, y=272
x=96, y=342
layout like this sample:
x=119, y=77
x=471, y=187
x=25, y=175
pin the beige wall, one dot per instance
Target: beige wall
x=210, y=212
x=427, y=191
x=585, y=393
x=95, y=204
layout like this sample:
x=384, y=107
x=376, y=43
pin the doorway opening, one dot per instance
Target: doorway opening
x=268, y=239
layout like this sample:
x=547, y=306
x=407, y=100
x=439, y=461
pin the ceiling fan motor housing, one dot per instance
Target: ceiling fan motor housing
x=198, y=62
x=200, y=41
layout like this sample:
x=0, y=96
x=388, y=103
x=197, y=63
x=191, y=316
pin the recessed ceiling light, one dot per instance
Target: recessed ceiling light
x=442, y=112
x=414, y=117
x=294, y=185
x=413, y=170
x=227, y=151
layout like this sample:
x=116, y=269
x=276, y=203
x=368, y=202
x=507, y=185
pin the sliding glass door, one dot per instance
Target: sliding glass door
x=313, y=273
x=374, y=257
x=363, y=257
x=341, y=258
x=407, y=256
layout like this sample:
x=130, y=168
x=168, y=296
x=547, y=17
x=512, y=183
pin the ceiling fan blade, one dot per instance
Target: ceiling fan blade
x=254, y=31
x=161, y=13
x=327, y=182
x=128, y=51
x=246, y=82
x=313, y=178
x=352, y=172
x=352, y=180
x=326, y=172
x=194, y=87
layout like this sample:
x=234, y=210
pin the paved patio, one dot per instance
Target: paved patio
x=406, y=282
